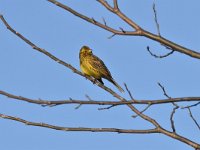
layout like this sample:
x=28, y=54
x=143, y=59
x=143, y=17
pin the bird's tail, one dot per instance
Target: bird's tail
x=117, y=85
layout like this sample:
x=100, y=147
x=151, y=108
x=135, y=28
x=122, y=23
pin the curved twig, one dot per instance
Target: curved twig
x=159, y=56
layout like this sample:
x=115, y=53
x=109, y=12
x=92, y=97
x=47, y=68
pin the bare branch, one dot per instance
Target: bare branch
x=138, y=30
x=92, y=102
x=67, y=129
x=91, y=20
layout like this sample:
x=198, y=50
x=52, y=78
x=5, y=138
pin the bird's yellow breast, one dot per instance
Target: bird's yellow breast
x=89, y=70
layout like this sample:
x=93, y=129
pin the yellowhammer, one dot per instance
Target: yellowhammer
x=93, y=66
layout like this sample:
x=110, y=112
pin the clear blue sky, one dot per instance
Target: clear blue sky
x=29, y=73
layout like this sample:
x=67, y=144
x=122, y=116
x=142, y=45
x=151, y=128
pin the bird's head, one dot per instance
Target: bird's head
x=85, y=50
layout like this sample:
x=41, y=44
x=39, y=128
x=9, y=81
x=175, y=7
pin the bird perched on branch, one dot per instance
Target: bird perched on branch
x=93, y=66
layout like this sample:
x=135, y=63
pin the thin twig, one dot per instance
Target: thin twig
x=174, y=109
x=88, y=97
x=122, y=29
x=110, y=37
x=164, y=92
x=189, y=106
x=156, y=19
x=77, y=107
x=195, y=121
x=104, y=108
x=104, y=22
x=172, y=117
x=148, y=106
x=129, y=92
x=159, y=56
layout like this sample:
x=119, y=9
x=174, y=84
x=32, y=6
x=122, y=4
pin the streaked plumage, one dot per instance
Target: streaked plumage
x=93, y=66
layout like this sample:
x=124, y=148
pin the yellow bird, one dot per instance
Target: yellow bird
x=93, y=66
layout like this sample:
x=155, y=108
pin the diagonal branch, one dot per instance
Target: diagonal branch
x=45, y=125
x=55, y=58
x=38, y=48
x=138, y=30
x=91, y=20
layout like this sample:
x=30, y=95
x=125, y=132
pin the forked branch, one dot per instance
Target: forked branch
x=138, y=31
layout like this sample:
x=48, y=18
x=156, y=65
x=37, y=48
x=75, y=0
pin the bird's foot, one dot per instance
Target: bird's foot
x=95, y=81
x=86, y=76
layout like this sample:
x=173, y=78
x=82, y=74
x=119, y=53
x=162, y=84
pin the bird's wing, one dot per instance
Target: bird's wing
x=99, y=65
